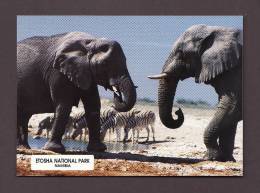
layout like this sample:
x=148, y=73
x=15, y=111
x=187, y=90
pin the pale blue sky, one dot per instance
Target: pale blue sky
x=146, y=41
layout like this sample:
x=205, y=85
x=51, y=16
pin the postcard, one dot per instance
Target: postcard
x=129, y=95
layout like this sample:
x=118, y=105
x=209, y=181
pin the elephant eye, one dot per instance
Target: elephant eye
x=88, y=42
x=61, y=58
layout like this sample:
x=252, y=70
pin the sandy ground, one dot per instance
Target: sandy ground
x=176, y=152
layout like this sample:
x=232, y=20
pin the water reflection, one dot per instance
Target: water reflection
x=74, y=145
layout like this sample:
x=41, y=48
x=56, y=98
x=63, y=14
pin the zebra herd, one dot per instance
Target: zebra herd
x=111, y=122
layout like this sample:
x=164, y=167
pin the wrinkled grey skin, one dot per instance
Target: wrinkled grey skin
x=55, y=72
x=212, y=55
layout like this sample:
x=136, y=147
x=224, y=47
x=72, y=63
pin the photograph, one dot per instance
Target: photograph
x=129, y=95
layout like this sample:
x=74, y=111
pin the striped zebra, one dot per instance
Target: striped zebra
x=118, y=123
x=141, y=120
x=81, y=124
x=46, y=124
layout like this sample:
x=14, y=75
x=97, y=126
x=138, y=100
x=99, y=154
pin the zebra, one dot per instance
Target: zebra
x=119, y=121
x=77, y=130
x=46, y=124
x=143, y=119
x=81, y=124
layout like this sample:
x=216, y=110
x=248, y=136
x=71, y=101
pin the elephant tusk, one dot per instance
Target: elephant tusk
x=116, y=91
x=158, y=76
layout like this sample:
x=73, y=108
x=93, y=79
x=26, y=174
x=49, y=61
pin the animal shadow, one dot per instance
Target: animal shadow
x=152, y=142
x=144, y=158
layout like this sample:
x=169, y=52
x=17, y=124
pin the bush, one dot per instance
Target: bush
x=146, y=100
x=192, y=102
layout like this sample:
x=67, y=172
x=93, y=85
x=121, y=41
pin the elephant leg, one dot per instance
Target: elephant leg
x=22, y=130
x=227, y=136
x=227, y=141
x=211, y=135
x=62, y=113
x=91, y=102
x=222, y=124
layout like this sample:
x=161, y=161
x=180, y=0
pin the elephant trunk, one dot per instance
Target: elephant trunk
x=166, y=93
x=125, y=98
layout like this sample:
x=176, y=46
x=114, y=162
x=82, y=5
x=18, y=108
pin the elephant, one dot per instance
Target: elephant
x=212, y=55
x=56, y=72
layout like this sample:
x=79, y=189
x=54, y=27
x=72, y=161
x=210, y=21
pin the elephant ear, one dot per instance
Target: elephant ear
x=220, y=52
x=69, y=60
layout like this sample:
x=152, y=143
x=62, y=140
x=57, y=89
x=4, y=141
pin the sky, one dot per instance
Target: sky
x=146, y=41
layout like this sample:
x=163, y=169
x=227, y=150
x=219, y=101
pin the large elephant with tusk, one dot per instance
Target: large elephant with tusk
x=212, y=55
x=55, y=72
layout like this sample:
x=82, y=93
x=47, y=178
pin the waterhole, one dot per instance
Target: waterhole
x=74, y=145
